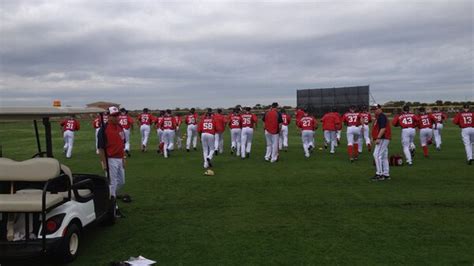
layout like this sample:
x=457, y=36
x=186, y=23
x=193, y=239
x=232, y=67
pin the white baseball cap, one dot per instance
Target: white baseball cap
x=113, y=110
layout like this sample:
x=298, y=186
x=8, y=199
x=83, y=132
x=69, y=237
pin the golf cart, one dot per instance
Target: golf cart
x=44, y=207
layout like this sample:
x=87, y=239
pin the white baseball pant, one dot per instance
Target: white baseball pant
x=467, y=135
x=381, y=158
x=247, y=136
x=307, y=137
x=283, y=143
x=338, y=136
x=207, y=141
x=272, y=146
x=353, y=134
x=168, y=139
x=408, y=136
x=178, y=139
x=97, y=140
x=159, y=135
x=437, y=134
x=235, y=137
x=145, y=132
x=364, y=136
x=219, y=142
x=330, y=138
x=117, y=175
x=68, y=136
x=126, y=132
x=191, y=136
x=425, y=135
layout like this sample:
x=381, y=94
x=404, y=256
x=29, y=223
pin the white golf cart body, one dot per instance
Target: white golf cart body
x=42, y=193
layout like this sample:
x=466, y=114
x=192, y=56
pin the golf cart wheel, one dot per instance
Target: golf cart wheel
x=69, y=247
x=110, y=216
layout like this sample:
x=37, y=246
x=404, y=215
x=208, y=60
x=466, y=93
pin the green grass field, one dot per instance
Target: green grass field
x=321, y=210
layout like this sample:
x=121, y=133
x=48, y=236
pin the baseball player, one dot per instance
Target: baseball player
x=207, y=129
x=249, y=122
x=272, y=124
x=438, y=126
x=127, y=124
x=235, y=125
x=191, y=132
x=425, y=124
x=307, y=124
x=145, y=119
x=96, y=124
x=365, y=120
x=381, y=134
x=111, y=152
x=408, y=122
x=69, y=126
x=465, y=120
x=299, y=114
x=158, y=121
x=331, y=123
x=178, y=120
x=169, y=130
x=220, y=128
x=283, y=143
x=352, y=121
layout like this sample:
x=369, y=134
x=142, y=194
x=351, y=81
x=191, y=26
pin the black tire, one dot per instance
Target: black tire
x=110, y=216
x=69, y=247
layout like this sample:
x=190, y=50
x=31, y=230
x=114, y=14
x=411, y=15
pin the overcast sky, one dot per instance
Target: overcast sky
x=162, y=54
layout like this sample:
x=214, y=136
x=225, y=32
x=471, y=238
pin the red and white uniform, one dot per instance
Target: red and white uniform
x=158, y=121
x=425, y=124
x=69, y=126
x=145, y=120
x=169, y=126
x=191, y=121
x=465, y=120
x=331, y=124
x=126, y=122
x=283, y=143
x=249, y=121
x=219, y=136
x=207, y=129
x=438, y=127
x=235, y=125
x=353, y=122
x=307, y=124
x=408, y=122
x=365, y=120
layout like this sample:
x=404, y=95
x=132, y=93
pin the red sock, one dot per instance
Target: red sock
x=356, y=150
x=425, y=151
x=349, y=151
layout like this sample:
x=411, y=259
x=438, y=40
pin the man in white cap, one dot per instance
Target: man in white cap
x=111, y=144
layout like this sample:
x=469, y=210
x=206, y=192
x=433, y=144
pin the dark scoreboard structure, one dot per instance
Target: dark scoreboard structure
x=321, y=101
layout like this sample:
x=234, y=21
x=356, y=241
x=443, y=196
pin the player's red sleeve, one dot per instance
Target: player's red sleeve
x=62, y=123
x=395, y=121
x=199, y=129
x=456, y=119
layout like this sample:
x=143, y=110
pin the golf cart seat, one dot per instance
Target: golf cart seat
x=32, y=170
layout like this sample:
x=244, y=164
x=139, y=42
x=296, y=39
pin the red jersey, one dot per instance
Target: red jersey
x=286, y=119
x=365, y=118
x=112, y=140
x=145, y=119
x=207, y=125
x=439, y=116
x=307, y=123
x=249, y=120
x=220, y=122
x=178, y=120
x=331, y=121
x=169, y=122
x=464, y=119
x=405, y=120
x=70, y=124
x=299, y=114
x=191, y=119
x=235, y=121
x=158, y=121
x=426, y=121
x=381, y=121
x=125, y=121
x=351, y=119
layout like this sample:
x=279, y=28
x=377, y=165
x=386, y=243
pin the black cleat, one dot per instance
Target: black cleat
x=375, y=178
x=216, y=152
x=386, y=177
x=248, y=155
x=351, y=160
x=469, y=162
x=119, y=214
x=187, y=150
x=128, y=153
x=195, y=149
x=209, y=162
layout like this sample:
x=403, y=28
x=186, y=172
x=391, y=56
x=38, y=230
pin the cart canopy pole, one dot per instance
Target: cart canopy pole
x=38, y=143
x=47, y=133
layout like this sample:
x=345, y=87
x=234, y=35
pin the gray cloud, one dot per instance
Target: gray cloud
x=168, y=54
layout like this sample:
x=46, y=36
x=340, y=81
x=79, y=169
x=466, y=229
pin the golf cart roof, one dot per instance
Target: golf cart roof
x=29, y=113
